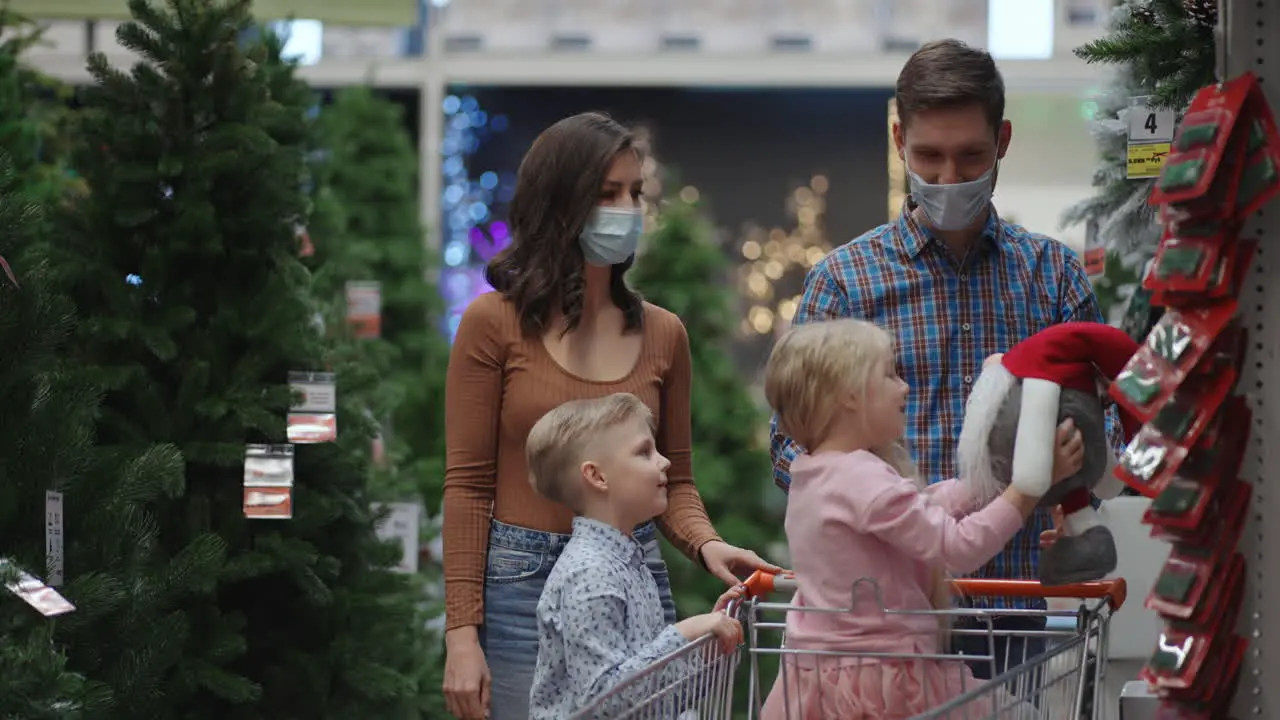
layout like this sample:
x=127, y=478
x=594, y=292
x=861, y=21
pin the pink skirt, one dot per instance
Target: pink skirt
x=878, y=690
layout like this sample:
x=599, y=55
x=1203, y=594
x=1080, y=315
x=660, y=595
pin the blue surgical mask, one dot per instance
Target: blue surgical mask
x=611, y=235
x=954, y=206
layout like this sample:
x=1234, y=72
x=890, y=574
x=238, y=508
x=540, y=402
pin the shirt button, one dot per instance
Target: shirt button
x=968, y=379
x=966, y=327
x=964, y=276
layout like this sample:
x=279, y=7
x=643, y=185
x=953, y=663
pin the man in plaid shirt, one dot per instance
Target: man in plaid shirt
x=954, y=283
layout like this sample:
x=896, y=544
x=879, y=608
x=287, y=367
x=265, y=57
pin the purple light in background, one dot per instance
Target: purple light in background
x=486, y=245
x=460, y=286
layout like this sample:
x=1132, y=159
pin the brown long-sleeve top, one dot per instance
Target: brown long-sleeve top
x=500, y=382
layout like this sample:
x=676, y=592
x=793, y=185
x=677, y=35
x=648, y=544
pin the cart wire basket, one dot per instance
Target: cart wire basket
x=1064, y=682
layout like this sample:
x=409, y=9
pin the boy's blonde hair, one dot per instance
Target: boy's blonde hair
x=558, y=443
x=808, y=367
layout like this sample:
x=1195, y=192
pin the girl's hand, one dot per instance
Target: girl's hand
x=1049, y=537
x=1068, y=451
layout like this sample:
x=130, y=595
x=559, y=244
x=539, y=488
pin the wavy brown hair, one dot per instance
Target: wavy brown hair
x=557, y=188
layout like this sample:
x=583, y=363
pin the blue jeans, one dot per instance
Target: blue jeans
x=1010, y=651
x=519, y=562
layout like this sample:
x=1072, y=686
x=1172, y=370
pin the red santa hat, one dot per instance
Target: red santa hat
x=1070, y=355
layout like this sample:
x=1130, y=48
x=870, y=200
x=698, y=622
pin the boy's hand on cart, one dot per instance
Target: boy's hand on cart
x=1068, y=451
x=731, y=564
x=736, y=592
x=726, y=629
x=1049, y=537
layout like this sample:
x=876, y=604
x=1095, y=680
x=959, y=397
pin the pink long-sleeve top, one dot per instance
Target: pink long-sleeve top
x=850, y=515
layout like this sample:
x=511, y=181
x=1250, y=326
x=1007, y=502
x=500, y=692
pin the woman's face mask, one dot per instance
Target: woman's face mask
x=611, y=235
x=954, y=206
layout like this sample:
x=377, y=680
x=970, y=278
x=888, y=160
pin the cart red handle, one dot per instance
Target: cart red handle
x=1115, y=591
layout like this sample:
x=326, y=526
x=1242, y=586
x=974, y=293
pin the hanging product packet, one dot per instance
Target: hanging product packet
x=1179, y=667
x=1222, y=685
x=1230, y=505
x=1181, y=505
x=1260, y=177
x=1158, y=450
x=1168, y=355
x=1203, y=140
x=1185, y=263
x=1192, y=586
x=1230, y=272
x=1212, y=213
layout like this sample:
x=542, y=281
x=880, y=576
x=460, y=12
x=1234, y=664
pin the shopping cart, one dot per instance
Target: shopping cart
x=1062, y=683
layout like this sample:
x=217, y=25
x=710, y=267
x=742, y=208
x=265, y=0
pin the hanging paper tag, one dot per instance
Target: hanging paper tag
x=34, y=592
x=305, y=248
x=268, y=481
x=401, y=525
x=312, y=418
x=1095, y=254
x=53, y=537
x=1150, y=138
x=364, y=309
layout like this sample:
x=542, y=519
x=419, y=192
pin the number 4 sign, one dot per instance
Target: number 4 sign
x=1150, y=136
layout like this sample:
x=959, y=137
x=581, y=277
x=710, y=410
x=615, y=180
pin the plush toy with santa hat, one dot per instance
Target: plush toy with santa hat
x=1011, y=422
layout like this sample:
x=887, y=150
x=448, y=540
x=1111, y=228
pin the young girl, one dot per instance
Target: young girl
x=857, y=511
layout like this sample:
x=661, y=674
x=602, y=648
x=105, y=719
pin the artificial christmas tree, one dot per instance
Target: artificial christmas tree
x=183, y=262
x=682, y=268
x=44, y=414
x=369, y=172
x=1164, y=49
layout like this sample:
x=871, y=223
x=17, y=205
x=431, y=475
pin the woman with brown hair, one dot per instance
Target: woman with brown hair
x=562, y=325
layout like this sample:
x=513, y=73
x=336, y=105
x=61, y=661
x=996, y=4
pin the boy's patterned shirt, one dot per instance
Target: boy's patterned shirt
x=599, y=620
x=947, y=315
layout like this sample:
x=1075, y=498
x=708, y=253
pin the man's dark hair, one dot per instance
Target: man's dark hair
x=946, y=74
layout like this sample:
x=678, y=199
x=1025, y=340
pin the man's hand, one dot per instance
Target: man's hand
x=731, y=563
x=1068, y=451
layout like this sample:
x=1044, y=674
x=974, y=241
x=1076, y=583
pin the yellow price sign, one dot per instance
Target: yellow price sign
x=1145, y=161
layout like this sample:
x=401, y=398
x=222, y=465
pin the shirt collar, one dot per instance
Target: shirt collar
x=914, y=237
x=606, y=537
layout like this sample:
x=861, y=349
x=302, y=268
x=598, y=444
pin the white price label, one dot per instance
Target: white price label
x=1149, y=125
x=53, y=537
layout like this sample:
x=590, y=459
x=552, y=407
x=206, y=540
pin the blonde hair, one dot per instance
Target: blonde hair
x=811, y=361
x=559, y=442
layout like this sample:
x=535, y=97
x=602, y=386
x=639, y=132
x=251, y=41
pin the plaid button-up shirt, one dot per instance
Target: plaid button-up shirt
x=947, y=315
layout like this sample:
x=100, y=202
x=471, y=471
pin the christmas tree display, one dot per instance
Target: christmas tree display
x=263, y=591
x=32, y=114
x=684, y=270
x=1163, y=49
x=44, y=445
x=370, y=172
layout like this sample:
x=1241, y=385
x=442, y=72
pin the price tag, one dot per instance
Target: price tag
x=312, y=419
x=1150, y=138
x=1149, y=125
x=53, y=537
x=364, y=309
x=401, y=526
x=1095, y=254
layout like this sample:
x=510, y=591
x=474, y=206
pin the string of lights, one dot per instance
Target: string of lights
x=470, y=203
x=775, y=257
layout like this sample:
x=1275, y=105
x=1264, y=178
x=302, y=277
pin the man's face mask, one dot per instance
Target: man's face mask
x=954, y=206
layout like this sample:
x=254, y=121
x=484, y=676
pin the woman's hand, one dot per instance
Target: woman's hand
x=1049, y=537
x=1068, y=451
x=466, y=675
x=731, y=563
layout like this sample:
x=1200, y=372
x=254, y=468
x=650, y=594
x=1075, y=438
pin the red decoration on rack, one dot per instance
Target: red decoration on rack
x=1224, y=165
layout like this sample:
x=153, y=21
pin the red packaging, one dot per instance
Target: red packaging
x=1218, y=685
x=1156, y=453
x=1172, y=349
x=1227, y=352
x=1222, y=525
x=1229, y=277
x=1217, y=204
x=1180, y=506
x=1192, y=587
x=1260, y=177
x=1202, y=140
x=1185, y=264
x=1177, y=667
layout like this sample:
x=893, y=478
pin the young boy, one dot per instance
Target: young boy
x=600, y=619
